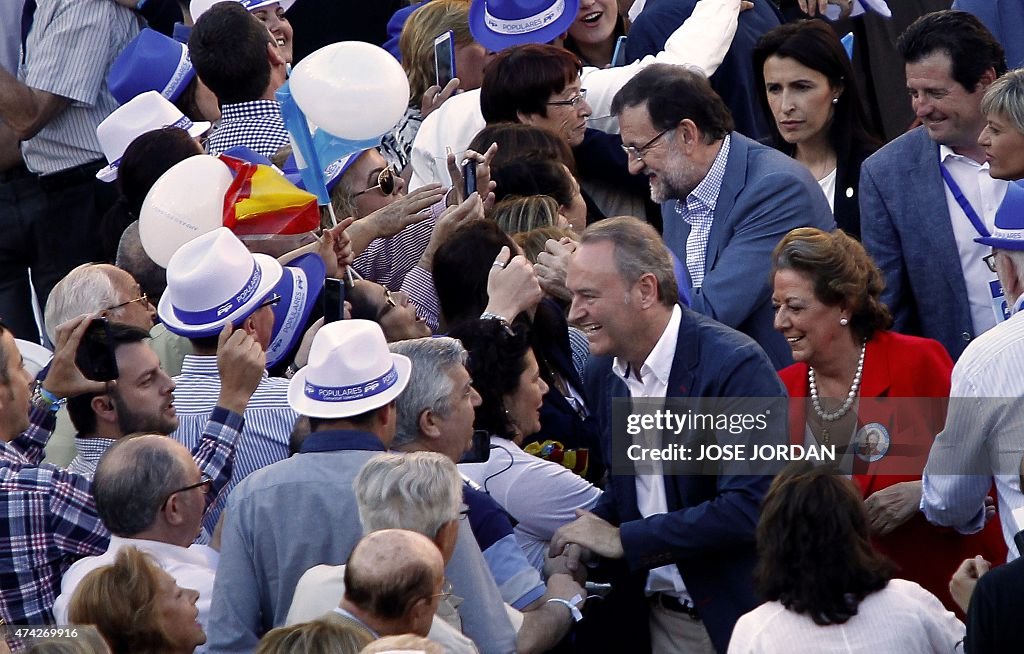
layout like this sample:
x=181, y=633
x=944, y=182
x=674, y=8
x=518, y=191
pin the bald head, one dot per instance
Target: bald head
x=390, y=570
x=132, y=257
x=134, y=478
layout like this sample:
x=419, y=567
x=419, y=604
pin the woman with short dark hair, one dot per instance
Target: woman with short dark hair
x=827, y=589
x=827, y=298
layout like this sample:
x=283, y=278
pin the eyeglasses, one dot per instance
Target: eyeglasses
x=990, y=261
x=204, y=480
x=463, y=512
x=144, y=299
x=390, y=299
x=639, y=152
x=271, y=300
x=385, y=182
x=446, y=591
x=573, y=102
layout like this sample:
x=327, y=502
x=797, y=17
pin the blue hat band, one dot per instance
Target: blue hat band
x=214, y=314
x=524, y=25
x=354, y=392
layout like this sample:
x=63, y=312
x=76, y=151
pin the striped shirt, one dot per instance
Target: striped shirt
x=90, y=450
x=268, y=422
x=983, y=437
x=68, y=53
x=256, y=124
x=698, y=209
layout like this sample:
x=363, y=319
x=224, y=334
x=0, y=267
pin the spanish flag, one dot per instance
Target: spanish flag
x=261, y=201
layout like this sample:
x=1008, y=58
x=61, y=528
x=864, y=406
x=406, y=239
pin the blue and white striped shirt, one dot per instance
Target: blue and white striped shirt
x=268, y=422
x=90, y=451
x=984, y=436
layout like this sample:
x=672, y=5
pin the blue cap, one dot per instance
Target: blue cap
x=299, y=288
x=500, y=24
x=150, y=62
x=332, y=172
x=1009, y=224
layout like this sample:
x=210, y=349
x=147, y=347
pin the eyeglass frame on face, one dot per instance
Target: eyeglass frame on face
x=990, y=261
x=204, y=480
x=446, y=591
x=638, y=153
x=269, y=301
x=386, y=173
x=142, y=298
x=573, y=102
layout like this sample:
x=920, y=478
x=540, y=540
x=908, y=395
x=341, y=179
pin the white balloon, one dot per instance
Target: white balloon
x=352, y=89
x=187, y=201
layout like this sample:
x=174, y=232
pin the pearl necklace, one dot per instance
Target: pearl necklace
x=850, y=397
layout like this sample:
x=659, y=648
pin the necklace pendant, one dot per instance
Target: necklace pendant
x=824, y=435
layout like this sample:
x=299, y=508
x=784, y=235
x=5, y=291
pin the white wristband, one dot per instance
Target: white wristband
x=572, y=605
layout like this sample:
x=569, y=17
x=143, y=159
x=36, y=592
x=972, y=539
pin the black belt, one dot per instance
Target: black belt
x=62, y=178
x=670, y=603
x=16, y=172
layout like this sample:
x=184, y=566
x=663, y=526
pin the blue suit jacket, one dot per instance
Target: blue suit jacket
x=764, y=195
x=906, y=228
x=708, y=531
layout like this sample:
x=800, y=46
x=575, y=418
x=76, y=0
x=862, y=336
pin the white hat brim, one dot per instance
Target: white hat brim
x=316, y=409
x=109, y=172
x=271, y=274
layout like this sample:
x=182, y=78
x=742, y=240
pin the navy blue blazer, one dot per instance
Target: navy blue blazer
x=764, y=195
x=709, y=529
x=906, y=228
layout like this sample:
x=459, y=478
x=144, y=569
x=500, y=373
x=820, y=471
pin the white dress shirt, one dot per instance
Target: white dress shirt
x=985, y=195
x=650, y=486
x=192, y=567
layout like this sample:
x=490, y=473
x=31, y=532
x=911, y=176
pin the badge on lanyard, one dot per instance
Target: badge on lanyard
x=999, y=305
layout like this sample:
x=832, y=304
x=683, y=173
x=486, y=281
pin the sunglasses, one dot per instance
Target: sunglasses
x=386, y=182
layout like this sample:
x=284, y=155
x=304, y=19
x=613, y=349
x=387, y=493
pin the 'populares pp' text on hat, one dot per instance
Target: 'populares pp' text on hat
x=500, y=24
x=299, y=288
x=213, y=280
x=350, y=371
x=150, y=62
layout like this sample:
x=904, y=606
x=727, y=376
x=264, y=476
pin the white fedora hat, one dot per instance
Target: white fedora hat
x=143, y=113
x=350, y=371
x=213, y=280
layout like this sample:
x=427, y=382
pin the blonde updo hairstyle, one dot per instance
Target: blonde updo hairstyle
x=841, y=273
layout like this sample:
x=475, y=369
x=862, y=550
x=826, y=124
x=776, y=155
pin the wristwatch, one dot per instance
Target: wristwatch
x=45, y=400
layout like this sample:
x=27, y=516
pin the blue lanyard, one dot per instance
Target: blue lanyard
x=972, y=215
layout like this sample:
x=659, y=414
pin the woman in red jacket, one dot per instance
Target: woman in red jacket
x=826, y=295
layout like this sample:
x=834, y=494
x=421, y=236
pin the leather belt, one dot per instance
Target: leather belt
x=62, y=178
x=670, y=603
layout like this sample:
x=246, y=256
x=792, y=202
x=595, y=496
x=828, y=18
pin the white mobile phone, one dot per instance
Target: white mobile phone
x=444, y=58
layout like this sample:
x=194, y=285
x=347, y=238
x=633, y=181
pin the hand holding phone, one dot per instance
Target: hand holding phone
x=468, y=178
x=444, y=58
x=619, y=55
x=333, y=297
x=95, y=356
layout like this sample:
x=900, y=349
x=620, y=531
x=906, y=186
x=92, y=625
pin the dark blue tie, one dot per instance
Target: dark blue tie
x=27, y=14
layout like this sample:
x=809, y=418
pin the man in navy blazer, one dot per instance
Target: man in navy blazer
x=912, y=224
x=687, y=539
x=726, y=200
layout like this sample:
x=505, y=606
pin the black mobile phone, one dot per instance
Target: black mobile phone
x=333, y=297
x=469, y=178
x=480, y=451
x=444, y=58
x=619, y=55
x=95, y=356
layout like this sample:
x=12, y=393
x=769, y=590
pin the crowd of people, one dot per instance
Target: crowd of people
x=411, y=424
